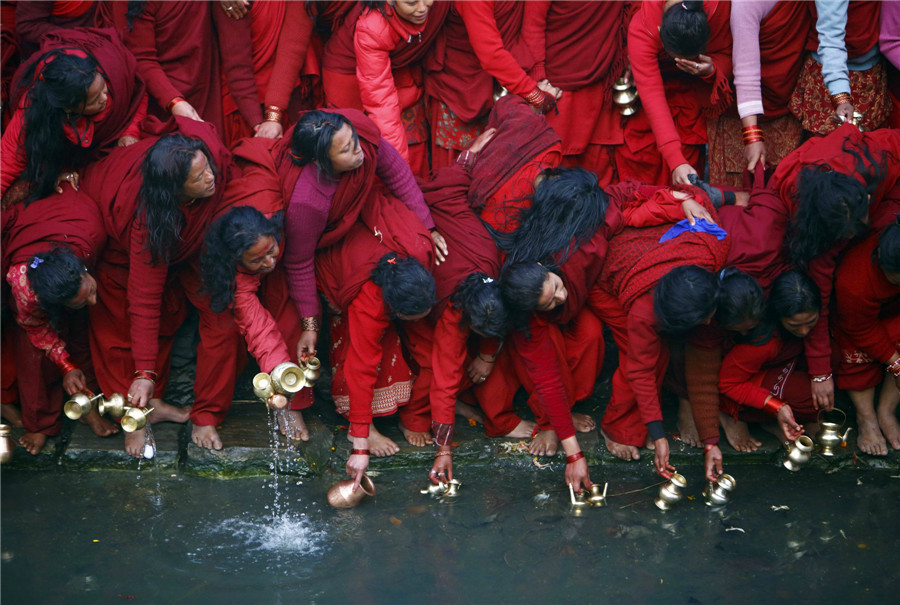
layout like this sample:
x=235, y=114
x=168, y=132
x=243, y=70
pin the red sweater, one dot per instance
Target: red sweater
x=738, y=377
x=264, y=340
x=862, y=290
x=367, y=319
x=646, y=53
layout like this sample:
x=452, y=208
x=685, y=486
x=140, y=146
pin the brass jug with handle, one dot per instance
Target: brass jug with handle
x=829, y=435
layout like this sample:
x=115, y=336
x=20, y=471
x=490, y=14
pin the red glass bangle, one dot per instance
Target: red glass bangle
x=65, y=366
x=773, y=405
x=359, y=452
x=574, y=457
x=173, y=103
x=708, y=447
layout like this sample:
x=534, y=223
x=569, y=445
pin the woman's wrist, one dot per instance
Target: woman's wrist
x=310, y=324
x=273, y=114
x=173, y=103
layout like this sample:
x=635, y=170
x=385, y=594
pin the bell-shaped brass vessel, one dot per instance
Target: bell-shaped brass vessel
x=114, y=406
x=80, y=405
x=287, y=378
x=311, y=370
x=135, y=419
x=7, y=445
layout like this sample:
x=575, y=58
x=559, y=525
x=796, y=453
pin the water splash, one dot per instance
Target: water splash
x=287, y=533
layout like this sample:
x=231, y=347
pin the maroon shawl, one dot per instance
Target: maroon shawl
x=365, y=221
x=119, y=67
x=585, y=43
x=114, y=183
x=472, y=249
x=782, y=35
x=636, y=260
x=521, y=135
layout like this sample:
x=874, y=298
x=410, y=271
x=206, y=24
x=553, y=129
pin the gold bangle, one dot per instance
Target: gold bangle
x=310, y=324
x=841, y=97
x=443, y=453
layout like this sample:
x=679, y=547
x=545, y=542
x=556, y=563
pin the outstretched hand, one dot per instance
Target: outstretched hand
x=661, y=459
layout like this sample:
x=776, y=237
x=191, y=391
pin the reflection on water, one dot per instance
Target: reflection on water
x=508, y=537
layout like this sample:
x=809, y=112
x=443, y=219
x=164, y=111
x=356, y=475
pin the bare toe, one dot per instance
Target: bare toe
x=134, y=443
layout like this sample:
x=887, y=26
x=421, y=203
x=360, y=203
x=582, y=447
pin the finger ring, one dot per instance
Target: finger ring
x=229, y=9
x=482, y=379
x=696, y=66
x=433, y=472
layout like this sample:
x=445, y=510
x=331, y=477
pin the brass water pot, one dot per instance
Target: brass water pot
x=717, y=493
x=625, y=97
x=311, y=370
x=7, y=445
x=341, y=494
x=670, y=492
x=799, y=453
x=579, y=502
x=829, y=435
x=262, y=386
x=287, y=378
x=598, y=496
x=114, y=406
x=135, y=419
x=80, y=405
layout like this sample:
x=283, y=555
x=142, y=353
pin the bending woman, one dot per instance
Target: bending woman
x=75, y=103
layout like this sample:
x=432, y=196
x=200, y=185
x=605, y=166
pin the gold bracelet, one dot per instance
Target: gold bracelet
x=841, y=97
x=310, y=324
x=443, y=453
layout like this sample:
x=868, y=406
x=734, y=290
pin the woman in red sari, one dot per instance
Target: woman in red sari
x=765, y=378
x=279, y=35
x=579, y=47
x=47, y=250
x=75, y=103
x=769, y=39
x=374, y=62
x=241, y=275
x=352, y=199
x=157, y=198
x=34, y=20
x=867, y=331
x=680, y=55
x=482, y=42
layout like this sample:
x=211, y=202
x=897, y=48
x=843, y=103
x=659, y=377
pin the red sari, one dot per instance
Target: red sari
x=364, y=223
x=481, y=41
x=674, y=105
x=634, y=265
x=866, y=324
x=580, y=48
x=141, y=303
x=43, y=355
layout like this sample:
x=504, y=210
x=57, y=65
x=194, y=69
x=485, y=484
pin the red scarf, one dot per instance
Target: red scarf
x=782, y=35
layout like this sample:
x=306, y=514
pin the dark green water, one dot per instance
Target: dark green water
x=508, y=538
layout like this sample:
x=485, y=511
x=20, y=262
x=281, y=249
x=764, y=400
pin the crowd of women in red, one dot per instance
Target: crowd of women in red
x=468, y=195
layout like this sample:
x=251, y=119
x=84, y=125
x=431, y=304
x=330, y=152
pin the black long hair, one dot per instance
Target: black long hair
x=406, y=286
x=61, y=85
x=55, y=277
x=567, y=208
x=741, y=298
x=135, y=10
x=165, y=170
x=888, y=249
x=521, y=285
x=684, y=30
x=831, y=207
x=312, y=138
x=479, y=300
x=792, y=292
x=684, y=298
x=226, y=241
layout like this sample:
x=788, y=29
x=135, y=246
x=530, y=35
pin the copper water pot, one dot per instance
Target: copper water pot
x=341, y=494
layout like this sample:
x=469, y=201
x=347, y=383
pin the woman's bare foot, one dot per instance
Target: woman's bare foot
x=379, y=445
x=620, y=450
x=291, y=425
x=165, y=412
x=870, y=439
x=523, y=430
x=686, y=426
x=544, y=444
x=416, y=438
x=33, y=442
x=469, y=412
x=11, y=413
x=890, y=428
x=738, y=434
x=583, y=423
x=134, y=443
x=101, y=426
x=206, y=436
x=650, y=444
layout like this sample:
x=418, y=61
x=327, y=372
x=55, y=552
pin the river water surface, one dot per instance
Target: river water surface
x=508, y=538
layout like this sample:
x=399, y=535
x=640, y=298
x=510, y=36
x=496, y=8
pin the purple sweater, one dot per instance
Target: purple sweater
x=307, y=215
